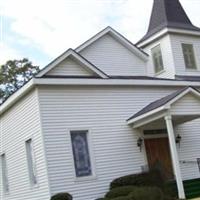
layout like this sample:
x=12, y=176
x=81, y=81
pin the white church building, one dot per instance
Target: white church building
x=106, y=109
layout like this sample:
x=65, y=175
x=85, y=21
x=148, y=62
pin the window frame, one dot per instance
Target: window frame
x=91, y=153
x=4, y=172
x=195, y=68
x=153, y=60
x=34, y=166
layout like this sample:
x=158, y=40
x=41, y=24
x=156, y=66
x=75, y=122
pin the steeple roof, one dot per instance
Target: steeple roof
x=168, y=14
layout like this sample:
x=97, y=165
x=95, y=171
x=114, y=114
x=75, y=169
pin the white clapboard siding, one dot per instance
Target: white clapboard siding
x=181, y=106
x=168, y=59
x=18, y=124
x=176, y=41
x=103, y=111
x=70, y=67
x=189, y=149
x=113, y=58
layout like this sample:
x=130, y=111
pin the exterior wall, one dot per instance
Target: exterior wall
x=168, y=59
x=113, y=58
x=69, y=67
x=20, y=123
x=103, y=111
x=176, y=41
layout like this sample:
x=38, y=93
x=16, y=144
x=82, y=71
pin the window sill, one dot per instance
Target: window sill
x=192, y=70
x=83, y=179
x=159, y=73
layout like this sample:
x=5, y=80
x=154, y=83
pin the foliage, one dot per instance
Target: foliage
x=120, y=191
x=13, y=75
x=122, y=198
x=152, y=178
x=62, y=196
x=144, y=193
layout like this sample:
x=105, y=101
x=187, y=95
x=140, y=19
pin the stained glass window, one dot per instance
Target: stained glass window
x=81, y=153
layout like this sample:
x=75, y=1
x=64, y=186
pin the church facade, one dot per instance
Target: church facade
x=106, y=109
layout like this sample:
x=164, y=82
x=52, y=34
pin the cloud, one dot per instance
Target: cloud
x=7, y=53
x=51, y=27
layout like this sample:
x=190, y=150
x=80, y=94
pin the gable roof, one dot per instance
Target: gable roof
x=163, y=101
x=76, y=56
x=168, y=14
x=116, y=35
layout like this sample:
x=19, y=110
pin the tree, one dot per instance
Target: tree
x=13, y=75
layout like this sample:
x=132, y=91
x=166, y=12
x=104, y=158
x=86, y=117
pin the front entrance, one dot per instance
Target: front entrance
x=158, y=153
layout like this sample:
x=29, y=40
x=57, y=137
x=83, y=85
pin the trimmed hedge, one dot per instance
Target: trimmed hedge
x=152, y=178
x=120, y=192
x=62, y=196
x=144, y=193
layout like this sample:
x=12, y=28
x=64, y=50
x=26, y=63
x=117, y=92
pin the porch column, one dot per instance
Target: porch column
x=174, y=155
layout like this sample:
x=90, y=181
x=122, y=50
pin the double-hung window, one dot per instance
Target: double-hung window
x=81, y=153
x=157, y=59
x=4, y=173
x=31, y=162
x=189, y=57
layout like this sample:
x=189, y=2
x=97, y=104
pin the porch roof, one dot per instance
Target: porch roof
x=157, y=109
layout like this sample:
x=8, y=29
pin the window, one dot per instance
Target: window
x=31, y=162
x=4, y=173
x=157, y=59
x=81, y=153
x=188, y=53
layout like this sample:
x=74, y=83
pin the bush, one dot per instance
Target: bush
x=62, y=196
x=122, y=198
x=144, y=193
x=152, y=178
x=120, y=191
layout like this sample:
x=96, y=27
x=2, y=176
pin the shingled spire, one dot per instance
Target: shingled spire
x=168, y=14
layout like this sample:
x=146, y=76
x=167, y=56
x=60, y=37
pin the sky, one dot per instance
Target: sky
x=41, y=30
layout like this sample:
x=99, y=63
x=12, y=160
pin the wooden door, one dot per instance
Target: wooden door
x=158, y=153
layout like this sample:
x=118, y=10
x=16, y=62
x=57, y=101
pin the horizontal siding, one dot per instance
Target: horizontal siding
x=18, y=124
x=176, y=41
x=103, y=111
x=113, y=58
x=69, y=67
x=181, y=106
x=189, y=149
x=168, y=59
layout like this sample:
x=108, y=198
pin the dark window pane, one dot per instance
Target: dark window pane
x=81, y=153
x=189, y=58
x=157, y=59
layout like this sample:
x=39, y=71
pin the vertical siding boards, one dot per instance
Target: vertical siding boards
x=18, y=124
x=104, y=112
x=113, y=58
x=69, y=67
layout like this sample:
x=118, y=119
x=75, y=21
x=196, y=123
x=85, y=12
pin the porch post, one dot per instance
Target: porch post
x=174, y=155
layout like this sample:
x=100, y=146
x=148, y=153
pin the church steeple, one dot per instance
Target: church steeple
x=168, y=14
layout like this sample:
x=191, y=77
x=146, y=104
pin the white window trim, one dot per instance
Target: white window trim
x=154, y=69
x=32, y=186
x=195, y=57
x=91, y=152
x=4, y=192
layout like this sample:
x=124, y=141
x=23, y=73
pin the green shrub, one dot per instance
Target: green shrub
x=62, y=196
x=122, y=198
x=152, y=178
x=144, y=193
x=120, y=191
